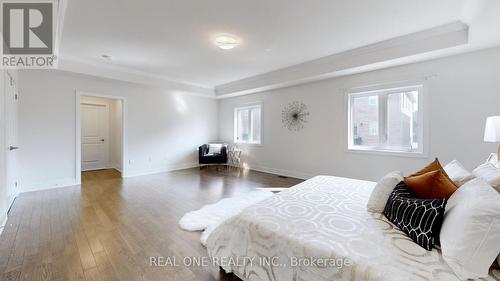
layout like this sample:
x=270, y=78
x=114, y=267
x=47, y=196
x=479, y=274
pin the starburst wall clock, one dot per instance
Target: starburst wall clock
x=294, y=116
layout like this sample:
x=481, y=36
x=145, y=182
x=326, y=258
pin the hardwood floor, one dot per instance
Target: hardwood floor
x=108, y=228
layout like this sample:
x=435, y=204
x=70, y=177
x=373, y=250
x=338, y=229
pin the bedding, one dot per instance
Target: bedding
x=324, y=218
x=457, y=173
x=470, y=234
x=382, y=191
x=489, y=173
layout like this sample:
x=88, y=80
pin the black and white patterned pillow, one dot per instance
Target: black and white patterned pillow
x=420, y=219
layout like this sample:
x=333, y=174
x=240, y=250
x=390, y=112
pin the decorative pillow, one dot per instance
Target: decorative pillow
x=214, y=148
x=434, y=165
x=470, y=233
x=493, y=159
x=419, y=218
x=382, y=190
x=431, y=185
x=489, y=173
x=457, y=173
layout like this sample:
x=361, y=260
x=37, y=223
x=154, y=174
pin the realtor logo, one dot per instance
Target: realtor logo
x=28, y=35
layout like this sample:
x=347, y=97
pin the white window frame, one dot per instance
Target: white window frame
x=384, y=149
x=248, y=107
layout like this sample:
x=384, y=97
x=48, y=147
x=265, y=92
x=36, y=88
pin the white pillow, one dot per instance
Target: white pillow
x=470, y=232
x=214, y=148
x=382, y=191
x=457, y=173
x=489, y=173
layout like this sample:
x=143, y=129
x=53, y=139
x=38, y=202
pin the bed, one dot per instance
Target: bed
x=319, y=230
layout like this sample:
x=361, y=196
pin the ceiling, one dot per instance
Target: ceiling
x=173, y=38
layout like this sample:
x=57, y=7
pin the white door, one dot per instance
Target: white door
x=11, y=140
x=94, y=136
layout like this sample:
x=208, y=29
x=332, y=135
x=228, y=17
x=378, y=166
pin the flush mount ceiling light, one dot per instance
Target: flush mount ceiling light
x=107, y=57
x=226, y=42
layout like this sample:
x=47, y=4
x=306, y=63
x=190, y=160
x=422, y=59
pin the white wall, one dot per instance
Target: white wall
x=7, y=191
x=114, y=137
x=165, y=126
x=464, y=91
x=115, y=134
x=3, y=183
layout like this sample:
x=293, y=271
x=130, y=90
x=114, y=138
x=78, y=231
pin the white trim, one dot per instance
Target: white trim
x=446, y=40
x=422, y=86
x=251, y=105
x=281, y=172
x=49, y=185
x=107, y=70
x=160, y=170
x=61, y=13
x=3, y=221
x=78, y=152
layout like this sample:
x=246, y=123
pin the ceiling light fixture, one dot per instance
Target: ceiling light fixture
x=226, y=42
x=107, y=57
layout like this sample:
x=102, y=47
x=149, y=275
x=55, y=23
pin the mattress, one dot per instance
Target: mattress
x=319, y=230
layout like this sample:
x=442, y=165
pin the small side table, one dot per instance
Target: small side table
x=234, y=157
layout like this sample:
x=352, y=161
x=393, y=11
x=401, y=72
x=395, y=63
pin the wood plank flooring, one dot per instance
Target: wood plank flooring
x=108, y=228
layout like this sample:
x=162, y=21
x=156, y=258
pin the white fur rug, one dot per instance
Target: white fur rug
x=209, y=217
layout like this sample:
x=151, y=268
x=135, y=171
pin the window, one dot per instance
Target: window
x=248, y=124
x=386, y=120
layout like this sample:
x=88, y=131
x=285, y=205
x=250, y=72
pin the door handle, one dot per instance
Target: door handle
x=102, y=139
x=13, y=148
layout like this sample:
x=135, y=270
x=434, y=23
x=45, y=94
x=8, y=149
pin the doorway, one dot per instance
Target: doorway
x=100, y=134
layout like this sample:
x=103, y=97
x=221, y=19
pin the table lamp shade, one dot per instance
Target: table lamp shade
x=492, y=129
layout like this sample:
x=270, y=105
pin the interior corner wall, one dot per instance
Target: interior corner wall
x=165, y=126
x=464, y=90
x=115, y=134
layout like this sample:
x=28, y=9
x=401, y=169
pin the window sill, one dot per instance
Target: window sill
x=388, y=153
x=246, y=144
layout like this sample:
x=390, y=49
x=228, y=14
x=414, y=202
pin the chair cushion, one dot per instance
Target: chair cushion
x=214, y=148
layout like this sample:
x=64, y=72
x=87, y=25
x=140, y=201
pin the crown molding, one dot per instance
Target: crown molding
x=61, y=13
x=73, y=64
x=77, y=65
x=432, y=43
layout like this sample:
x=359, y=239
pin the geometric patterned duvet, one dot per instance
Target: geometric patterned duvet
x=319, y=230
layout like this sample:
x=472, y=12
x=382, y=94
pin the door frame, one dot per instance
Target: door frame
x=78, y=140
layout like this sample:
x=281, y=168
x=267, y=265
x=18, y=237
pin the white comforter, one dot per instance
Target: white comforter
x=323, y=224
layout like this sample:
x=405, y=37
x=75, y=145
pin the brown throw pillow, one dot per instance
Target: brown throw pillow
x=433, y=166
x=431, y=185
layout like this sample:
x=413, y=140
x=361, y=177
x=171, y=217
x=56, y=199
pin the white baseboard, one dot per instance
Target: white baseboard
x=4, y=216
x=171, y=168
x=160, y=170
x=49, y=185
x=4, y=221
x=72, y=181
x=281, y=172
x=116, y=166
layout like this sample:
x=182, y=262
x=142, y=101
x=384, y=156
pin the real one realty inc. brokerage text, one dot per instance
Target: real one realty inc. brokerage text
x=192, y=261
